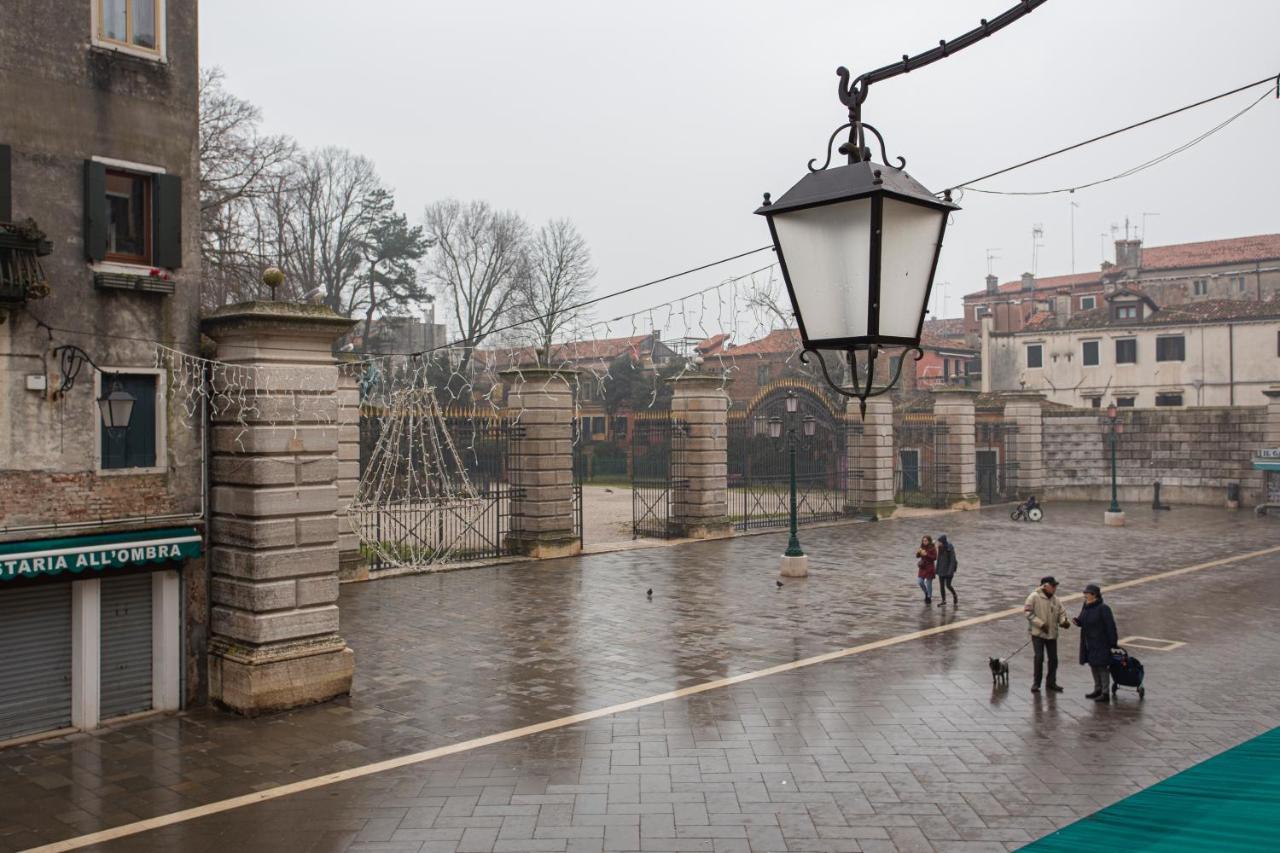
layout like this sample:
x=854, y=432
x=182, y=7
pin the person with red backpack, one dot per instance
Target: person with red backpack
x=926, y=562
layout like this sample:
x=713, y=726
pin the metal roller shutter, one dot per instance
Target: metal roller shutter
x=35, y=659
x=126, y=645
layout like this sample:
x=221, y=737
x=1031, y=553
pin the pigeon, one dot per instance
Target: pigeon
x=779, y=583
x=608, y=491
x=649, y=593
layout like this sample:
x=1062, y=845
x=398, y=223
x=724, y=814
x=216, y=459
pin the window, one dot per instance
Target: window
x=1095, y=402
x=1127, y=351
x=1200, y=286
x=1172, y=348
x=1168, y=399
x=1125, y=402
x=1238, y=284
x=1089, y=353
x=597, y=426
x=909, y=470
x=619, y=427
x=762, y=374
x=134, y=446
x=1126, y=312
x=1088, y=302
x=132, y=216
x=1035, y=355
x=135, y=24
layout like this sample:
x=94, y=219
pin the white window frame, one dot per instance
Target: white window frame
x=1133, y=338
x=1093, y=303
x=1181, y=337
x=160, y=54
x=127, y=166
x=1098, y=351
x=1200, y=287
x=1026, y=356
x=162, y=412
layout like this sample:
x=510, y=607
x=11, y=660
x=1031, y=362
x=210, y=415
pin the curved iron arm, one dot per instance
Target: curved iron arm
x=70, y=359
x=859, y=391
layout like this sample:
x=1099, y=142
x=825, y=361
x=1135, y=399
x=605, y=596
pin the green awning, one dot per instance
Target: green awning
x=79, y=554
x=1267, y=464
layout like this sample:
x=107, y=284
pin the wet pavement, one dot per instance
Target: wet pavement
x=901, y=748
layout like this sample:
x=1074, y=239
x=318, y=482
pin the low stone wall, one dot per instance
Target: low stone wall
x=1193, y=453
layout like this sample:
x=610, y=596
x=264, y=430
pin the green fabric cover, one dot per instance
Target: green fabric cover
x=1230, y=802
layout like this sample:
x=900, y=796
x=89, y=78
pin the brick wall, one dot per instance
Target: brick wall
x=31, y=497
x=1194, y=453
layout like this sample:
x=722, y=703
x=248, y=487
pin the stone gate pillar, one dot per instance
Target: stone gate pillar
x=701, y=506
x=1024, y=443
x=953, y=416
x=869, y=452
x=274, y=502
x=543, y=523
x=352, y=564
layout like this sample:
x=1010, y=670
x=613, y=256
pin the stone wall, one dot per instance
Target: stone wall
x=1194, y=453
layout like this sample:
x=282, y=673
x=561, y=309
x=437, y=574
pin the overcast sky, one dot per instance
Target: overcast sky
x=656, y=126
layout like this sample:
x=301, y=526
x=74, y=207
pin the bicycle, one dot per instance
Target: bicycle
x=1028, y=510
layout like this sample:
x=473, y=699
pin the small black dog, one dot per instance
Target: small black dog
x=999, y=672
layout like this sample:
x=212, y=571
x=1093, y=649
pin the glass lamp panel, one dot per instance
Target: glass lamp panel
x=775, y=427
x=793, y=403
x=907, y=251
x=828, y=255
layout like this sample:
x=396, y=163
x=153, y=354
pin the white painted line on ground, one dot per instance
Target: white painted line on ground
x=1152, y=643
x=207, y=809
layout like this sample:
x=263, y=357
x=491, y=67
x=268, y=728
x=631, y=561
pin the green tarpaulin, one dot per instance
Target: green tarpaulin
x=81, y=554
x=1229, y=803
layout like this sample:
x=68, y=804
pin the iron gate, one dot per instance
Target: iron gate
x=918, y=475
x=423, y=531
x=991, y=464
x=759, y=477
x=657, y=445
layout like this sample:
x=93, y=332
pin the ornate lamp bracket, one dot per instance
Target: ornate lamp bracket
x=861, y=391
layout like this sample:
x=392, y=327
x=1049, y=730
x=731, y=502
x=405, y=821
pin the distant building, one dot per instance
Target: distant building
x=1132, y=351
x=1240, y=268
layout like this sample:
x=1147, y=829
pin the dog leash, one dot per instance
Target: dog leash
x=1020, y=648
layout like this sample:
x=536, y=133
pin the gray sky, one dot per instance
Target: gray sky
x=656, y=126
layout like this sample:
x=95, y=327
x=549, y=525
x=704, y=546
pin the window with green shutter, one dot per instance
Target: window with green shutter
x=132, y=217
x=134, y=446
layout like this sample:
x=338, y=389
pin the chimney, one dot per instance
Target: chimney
x=1062, y=305
x=1028, y=281
x=1129, y=254
x=993, y=283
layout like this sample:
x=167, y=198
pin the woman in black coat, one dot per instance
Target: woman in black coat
x=1097, y=638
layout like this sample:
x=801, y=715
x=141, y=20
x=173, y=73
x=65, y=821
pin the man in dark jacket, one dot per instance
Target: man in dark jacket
x=946, y=569
x=1097, y=638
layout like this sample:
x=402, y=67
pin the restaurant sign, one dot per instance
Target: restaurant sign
x=82, y=554
x=1267, y=459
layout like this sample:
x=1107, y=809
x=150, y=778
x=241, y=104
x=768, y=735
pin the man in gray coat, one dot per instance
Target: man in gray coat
x=1045, y=615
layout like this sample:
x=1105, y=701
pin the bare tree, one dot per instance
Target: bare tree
x=239, y=166
x=560, y=275
x=767, y=298
x=477, y=261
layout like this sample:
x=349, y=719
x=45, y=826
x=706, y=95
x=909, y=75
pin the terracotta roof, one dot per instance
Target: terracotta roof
x=1206, y=311
x=711, y=345
x=1207, y=253
x=948, y=327
x=777, y=342
x=950, y=344
x=604, y=349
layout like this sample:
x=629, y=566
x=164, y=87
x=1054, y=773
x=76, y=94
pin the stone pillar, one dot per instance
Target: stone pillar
x=954, y=418
x=701, y=506
x=352, y=565
x=1271, y=438
x=542, y=516
x=274, y=503
x=870, y=458
x=1024, y=445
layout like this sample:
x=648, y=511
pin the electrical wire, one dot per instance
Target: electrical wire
x=1273, y=79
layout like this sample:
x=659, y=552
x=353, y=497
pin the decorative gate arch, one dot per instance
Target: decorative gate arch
x=758, y=476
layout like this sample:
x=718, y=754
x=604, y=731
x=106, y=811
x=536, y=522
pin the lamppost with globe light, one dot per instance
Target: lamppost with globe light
x=794, y=561
x=1114, y=516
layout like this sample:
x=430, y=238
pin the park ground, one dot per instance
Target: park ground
x=554, y=706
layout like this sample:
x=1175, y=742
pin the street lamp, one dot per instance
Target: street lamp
x=1114, y=516
x=794, y=562
x=116, y=408
x=858, y=244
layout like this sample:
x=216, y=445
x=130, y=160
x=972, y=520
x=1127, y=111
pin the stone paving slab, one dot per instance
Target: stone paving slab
x=442, y=658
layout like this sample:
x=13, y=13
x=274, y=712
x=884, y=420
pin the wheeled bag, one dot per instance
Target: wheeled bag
x=1126, y=671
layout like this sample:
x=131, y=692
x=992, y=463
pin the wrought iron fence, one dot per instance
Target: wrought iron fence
x=657, y=444
x=991, y=461
x=919, y=475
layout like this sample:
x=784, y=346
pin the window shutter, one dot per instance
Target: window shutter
x=6, y=183
x=95, y=210
x=167, y=213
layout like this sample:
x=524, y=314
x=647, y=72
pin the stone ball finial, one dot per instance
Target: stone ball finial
x=273, y=277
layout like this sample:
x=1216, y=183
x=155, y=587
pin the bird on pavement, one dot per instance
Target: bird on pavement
x=649, y=593
x=779, y=583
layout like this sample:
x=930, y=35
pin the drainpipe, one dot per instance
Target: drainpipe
x=1231, y=363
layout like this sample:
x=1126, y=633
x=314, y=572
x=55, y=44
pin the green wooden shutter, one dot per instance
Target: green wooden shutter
x=95, y=210
x=167, y=215
x=135, y=447
x=6, y=185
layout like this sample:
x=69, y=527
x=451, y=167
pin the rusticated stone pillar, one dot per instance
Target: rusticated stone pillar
x=870, y=458
x=701, y=509
x=1024, y=443
x=542, y=514
x=953, y=416
x=274, y=522
x=352, y=564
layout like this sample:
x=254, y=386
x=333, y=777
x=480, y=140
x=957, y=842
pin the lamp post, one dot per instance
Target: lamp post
x=795, y=563
x=115, y=406
x=1114, y=516
x=858, y=244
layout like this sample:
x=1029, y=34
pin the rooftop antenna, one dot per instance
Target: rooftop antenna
x=1073, y=235
x=1037, y=233
x=1145, y=214
x=1102, y=243
x=992, y=256
x=1126, y=228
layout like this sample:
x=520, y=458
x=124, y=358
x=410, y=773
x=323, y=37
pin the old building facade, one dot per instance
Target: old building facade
x=102, y=585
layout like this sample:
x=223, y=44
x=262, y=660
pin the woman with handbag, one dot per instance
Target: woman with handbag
x=926, y=562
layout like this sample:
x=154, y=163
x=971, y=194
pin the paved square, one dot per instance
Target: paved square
x=905, y=747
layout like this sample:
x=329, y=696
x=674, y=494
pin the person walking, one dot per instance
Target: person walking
x=926, y=563
x=1097, y=638
x=946, y=569
x=1045, y=616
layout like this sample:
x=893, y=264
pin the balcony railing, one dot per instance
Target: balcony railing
x=22, y=244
